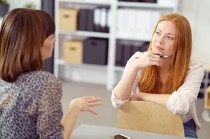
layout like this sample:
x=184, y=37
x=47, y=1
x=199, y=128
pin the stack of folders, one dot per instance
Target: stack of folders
x=97, y=19
x=137, y=24
x=125, y=49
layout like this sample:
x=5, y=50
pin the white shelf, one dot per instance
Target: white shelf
x=99, y=73
x=118, y=68
x=83, y=65
x=96, y=2
x=85, y=34
x=132, y=38
x=143, y=5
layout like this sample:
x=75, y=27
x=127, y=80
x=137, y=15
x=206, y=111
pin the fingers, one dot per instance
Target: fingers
x=154, y=59
x=93, y=101
x=152, y=55
x=92, y=98
x=92, y=111
x=148, y=59
x=96, y=103
x=87, y=102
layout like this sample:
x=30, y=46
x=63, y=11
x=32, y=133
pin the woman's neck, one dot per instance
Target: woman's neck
x=165, y=66
x=164, y=70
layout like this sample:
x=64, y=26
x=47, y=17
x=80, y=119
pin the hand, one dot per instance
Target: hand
x=147, y=59
x=85, y=103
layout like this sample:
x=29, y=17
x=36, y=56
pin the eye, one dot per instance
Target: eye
x=170, y=37
x=158, y=33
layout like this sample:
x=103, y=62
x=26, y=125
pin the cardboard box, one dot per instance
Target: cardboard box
x=207, y=98
x=68, y=19
x=73, y=51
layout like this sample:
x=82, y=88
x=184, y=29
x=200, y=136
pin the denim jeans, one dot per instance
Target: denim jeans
x=190, y=129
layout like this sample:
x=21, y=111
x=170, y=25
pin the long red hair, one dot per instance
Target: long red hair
x=149, y=82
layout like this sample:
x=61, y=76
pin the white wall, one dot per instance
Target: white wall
x=21, y=3
x=197, y=12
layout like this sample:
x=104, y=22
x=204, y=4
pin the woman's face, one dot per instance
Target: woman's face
x=163, y=39
x=47, y=48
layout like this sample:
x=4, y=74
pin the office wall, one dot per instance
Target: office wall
x=21, y=3
x=197, y=11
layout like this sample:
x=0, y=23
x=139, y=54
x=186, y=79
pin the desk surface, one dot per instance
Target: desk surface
x=84, y=131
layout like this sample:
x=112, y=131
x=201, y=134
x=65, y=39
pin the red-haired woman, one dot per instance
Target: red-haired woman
x=165, y=73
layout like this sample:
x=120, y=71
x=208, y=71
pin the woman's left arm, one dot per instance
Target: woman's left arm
x=155, y=98
x=179, y=101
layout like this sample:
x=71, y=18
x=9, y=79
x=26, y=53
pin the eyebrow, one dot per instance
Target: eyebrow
x=167, y=33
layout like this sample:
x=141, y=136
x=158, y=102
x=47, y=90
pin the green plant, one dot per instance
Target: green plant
x=30, y=5
x=4, y=1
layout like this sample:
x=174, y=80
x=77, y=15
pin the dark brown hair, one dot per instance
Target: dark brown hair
x=22, y=35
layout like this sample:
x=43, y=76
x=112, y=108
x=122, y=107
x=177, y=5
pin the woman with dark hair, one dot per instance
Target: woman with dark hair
x=30, y=98
x=165, y=73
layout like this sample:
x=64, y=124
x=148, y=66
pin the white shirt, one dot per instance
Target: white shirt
x=181, y=101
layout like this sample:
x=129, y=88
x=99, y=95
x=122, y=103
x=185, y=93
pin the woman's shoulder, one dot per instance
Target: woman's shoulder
x=38, y=76
x=195, y=65
x=196, y=68
x=43, y=74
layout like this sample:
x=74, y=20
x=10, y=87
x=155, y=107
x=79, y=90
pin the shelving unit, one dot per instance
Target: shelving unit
x=110, y=73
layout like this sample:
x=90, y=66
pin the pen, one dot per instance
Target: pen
x=163, y=56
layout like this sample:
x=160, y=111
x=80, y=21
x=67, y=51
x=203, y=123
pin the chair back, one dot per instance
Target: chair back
x=149, y=117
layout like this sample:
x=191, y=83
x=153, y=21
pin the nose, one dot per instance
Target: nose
x=160, y=39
